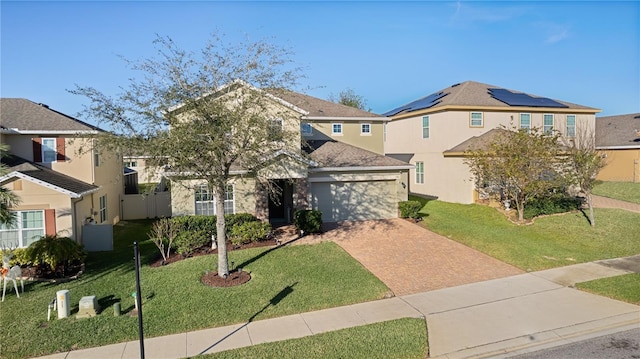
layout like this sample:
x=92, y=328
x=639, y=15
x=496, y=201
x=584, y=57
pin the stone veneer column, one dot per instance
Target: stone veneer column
x=301, y=201
x=262, y=202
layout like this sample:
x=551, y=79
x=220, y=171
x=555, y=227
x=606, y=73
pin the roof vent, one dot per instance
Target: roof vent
x=454, y=85
x=636, y=116
x=44, y=105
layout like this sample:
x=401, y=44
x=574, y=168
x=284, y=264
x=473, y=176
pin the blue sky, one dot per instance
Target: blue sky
x=585, y=52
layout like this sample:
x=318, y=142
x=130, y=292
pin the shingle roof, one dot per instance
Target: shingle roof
x=476, y=94
x=620, y=130
x=46, y=175
x=320, y=108
x=25, y=115
x=476, y=143
x=336, y=154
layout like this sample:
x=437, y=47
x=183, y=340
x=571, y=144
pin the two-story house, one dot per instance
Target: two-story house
x=618, y=139
x=62, y=182
x=336, y=166
x=432, y=132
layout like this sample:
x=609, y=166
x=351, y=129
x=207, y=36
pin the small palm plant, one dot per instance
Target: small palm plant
x=54, y=254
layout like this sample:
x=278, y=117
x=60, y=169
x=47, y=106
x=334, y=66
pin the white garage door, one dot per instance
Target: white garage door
x=341, y=201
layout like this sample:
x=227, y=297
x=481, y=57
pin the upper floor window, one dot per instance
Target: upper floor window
x=548, y=124
x=206, y=202
x=103, y=208
x=336, y=129
x=365, y=129
x=49, y=150
x=306, y=129
x=275, y=129
x=419, y=172
x=571, y=126
x=96, y=157
x=476, y=119
x=425, y=127
x=131, y=163
x=525, y=122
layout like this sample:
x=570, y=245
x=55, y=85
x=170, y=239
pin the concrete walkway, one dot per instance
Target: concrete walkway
x=494, y=318
x=606, y=202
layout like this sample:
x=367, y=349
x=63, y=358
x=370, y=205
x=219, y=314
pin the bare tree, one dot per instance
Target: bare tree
x=519, y=165
x=208, y=115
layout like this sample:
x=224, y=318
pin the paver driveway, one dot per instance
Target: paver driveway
x=411, y=259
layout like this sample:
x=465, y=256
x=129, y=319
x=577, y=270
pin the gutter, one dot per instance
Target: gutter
x=367, y=168
x=632, y=147
x=346, y=119
x=15, y=131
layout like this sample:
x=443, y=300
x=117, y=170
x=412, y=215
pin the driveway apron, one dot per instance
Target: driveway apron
x=411, y=259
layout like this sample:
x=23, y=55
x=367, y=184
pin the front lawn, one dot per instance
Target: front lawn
x=624, y=287
x=302, y=278
x=624, y=191
x=403, y=339
x=551, y=241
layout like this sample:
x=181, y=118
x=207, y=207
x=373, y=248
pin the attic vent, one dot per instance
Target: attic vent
x=454, y=85
x=636, y=116
x=43, y=105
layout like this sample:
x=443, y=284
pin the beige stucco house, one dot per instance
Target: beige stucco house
x=62, y=183
x=427, y=132
x=335, y=165
x=618, y=138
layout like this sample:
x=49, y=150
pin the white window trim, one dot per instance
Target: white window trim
x=419, y=177
x=213, y=200
x=103, y=209
x=428, y=127
x=553, y=123
x=43, y=149
x=333, y=133
x=575, y=126
x=362, y=132
x=18, y=226
x=471, y=120
x=528, y=128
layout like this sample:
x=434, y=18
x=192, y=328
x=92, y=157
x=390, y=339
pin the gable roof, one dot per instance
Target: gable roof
x=335, y=156
x=318, y=109
x=476, y=143
x=480, y=96
x=621, y=131
x=18, y=167
x=19, y=115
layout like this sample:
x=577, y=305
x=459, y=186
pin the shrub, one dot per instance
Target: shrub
x=187, y=242
x=196, y=223
x=308, y=220
x=18, y=257
x=249, y=232
x=410, y=209
x=554, y=203
x=56, y=253
x=162, y=234
x=232, y=220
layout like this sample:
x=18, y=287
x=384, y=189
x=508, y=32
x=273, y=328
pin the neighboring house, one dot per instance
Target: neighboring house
x=62, y=183
x=433, y=132
x=618, y=138
x=337, y=167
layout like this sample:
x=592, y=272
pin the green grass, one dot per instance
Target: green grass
x=624, y=191
x=286, y=280
x=402, y=338
x=624, y=287
x=549, y=242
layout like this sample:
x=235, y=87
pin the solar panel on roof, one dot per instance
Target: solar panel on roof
x=425, y=102
x=522, y=99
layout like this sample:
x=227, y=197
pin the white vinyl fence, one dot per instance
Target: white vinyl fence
x=138, y=206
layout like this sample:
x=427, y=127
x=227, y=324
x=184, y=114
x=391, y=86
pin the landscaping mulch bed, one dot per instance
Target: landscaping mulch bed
x=235, y=278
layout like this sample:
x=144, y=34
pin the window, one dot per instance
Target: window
x=419, y=172
x=571, y=126
x=131, y=163
x=336, y=129
x=28, y=228
x=49, y=152
x=365, y=129
x=206, y=202
x=525, y=121
x=103, y=208
x=548, y=124
x=306, y=129
x=476, y=119
x=96, y=157
x=425, y=127
x=275, y=129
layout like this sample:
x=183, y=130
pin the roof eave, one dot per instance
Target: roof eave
x=15, y=131
x=346, y=119
x=495, y=109
x=364, y=168
x=42, y=183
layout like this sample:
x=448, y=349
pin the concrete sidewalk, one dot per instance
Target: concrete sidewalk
x=495, y=318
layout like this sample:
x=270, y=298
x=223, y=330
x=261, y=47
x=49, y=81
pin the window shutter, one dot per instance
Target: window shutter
x=60, y=156
x=37, y=149
x=50, y=222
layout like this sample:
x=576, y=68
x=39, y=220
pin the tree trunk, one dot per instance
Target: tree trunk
x=223, y=259
x=592, y=218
